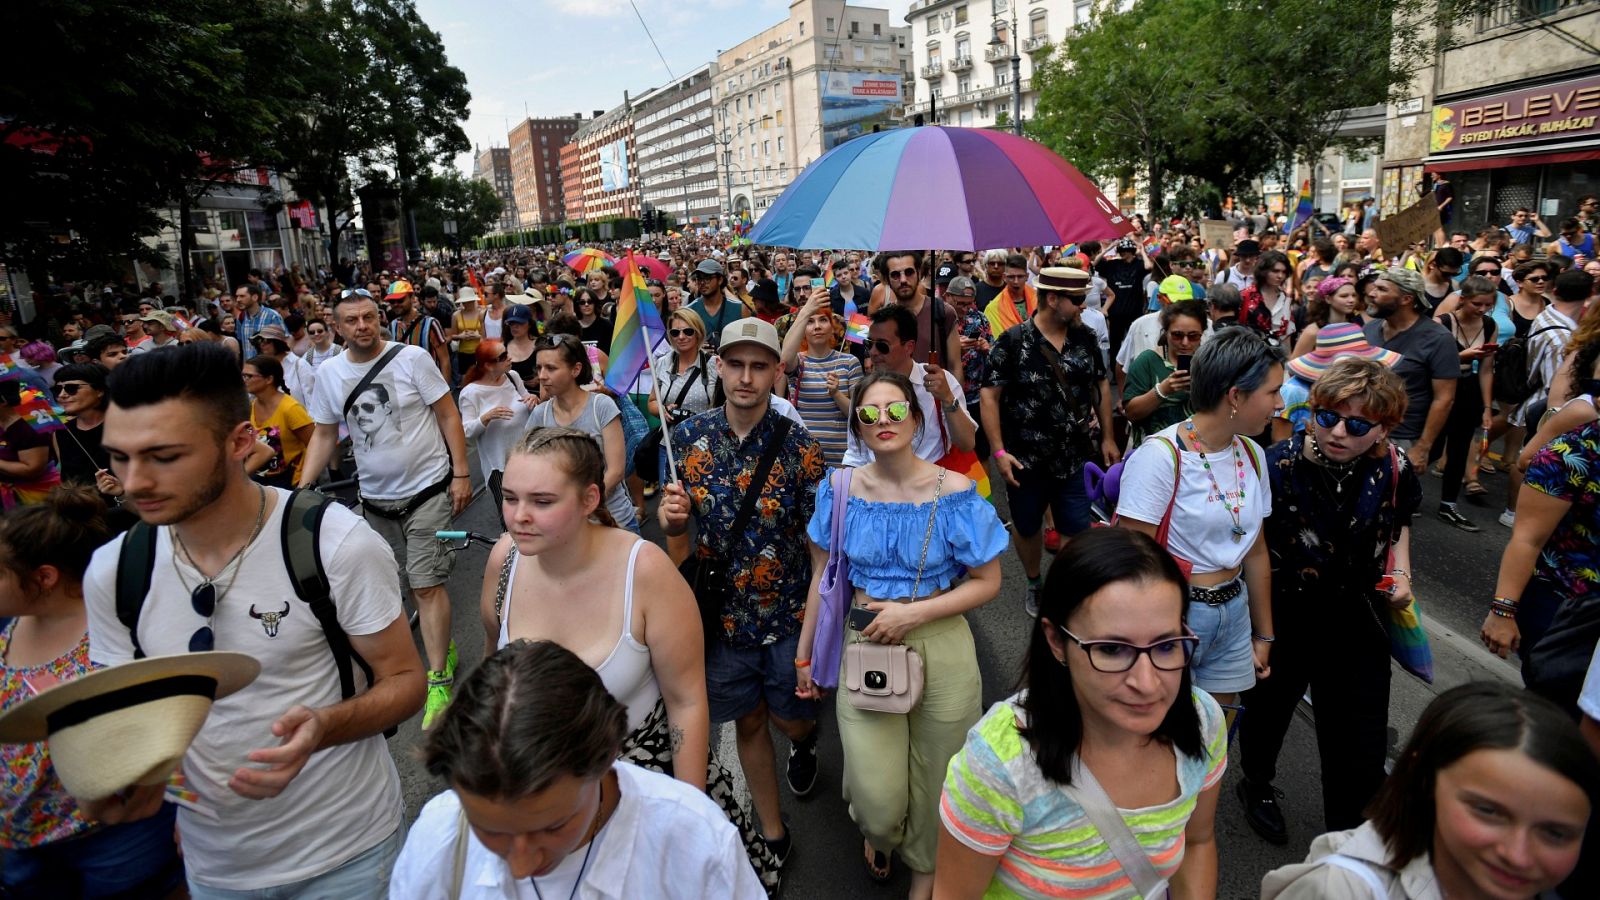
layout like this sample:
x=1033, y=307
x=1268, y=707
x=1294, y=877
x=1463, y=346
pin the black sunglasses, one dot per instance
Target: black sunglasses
x=69, y=388
x=204, y=601
x=1327, y=418
x=880, y=346
x=682, y=332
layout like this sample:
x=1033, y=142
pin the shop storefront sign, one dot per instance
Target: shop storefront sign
x=1552, y=112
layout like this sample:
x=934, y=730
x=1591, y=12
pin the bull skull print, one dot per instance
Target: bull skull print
x=269, y=620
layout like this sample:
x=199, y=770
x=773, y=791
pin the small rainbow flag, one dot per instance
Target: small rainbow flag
x=856, y=327
x=41, y=412
x=637, y=332
x=1302, y=210
x=9, y=370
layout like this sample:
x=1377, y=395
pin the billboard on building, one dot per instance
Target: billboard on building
x=1561, y=111
x=853, y=102
x=614, y=165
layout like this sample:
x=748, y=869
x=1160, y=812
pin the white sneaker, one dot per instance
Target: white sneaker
x=1508, y=518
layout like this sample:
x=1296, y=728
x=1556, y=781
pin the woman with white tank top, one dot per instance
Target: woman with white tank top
x=566, y=573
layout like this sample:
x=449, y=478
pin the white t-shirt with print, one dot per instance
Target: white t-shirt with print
x=399, y=448
x=931, y=444
x=1202, y=523
x=347, y=798
x=665, y=841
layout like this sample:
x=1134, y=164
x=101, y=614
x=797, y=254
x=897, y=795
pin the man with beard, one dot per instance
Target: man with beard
x=412, y=462
x=712, y=302
x=1398, y=304
x=901, y=270
x=178, y=432
x=409, y=324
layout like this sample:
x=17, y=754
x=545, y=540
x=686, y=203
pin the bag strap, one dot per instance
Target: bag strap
x=505, y=583
x=1164, y=528
x=747, y=508
x=1362, y=871
x=1394, y=506
x=136, y=564
x=458, y=864
x=367, y=379
x=1058, y=366
x=1102, y=813
x=841, y=499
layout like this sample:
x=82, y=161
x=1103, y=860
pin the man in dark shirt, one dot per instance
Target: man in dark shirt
x=1045, y=395
x=1398, y=304
x=1123, y=266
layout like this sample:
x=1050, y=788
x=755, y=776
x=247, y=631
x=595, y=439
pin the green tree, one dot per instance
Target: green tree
x=470, y=203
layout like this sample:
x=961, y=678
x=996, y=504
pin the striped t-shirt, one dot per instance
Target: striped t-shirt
x=822, y=416
x=997, y=802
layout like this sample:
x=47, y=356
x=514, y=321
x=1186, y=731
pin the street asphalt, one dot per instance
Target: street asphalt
x=1455, y=574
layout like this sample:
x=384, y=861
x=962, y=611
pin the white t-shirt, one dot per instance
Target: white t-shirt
x=299, y=377
x=347, y=798
x=1202, y=523
x=399, y=448
x=1096, y=320
x=931, y=443
x=665, y=841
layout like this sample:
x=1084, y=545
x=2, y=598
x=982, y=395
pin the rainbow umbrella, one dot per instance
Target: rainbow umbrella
x=587, y=260
x=939, y=188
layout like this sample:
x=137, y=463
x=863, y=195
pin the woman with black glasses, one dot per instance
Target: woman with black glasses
x=586, y=304
x=1105, y=734
x=1337, y=514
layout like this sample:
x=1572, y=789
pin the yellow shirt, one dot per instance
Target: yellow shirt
x=279, y=432
x=463, y=322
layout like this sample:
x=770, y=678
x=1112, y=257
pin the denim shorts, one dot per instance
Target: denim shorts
x=739, y=678
x=1065, y=498
x=364, y=877
x=1223, y=663
x=133, y=859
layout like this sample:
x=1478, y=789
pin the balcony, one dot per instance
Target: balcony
x=961, y=64
x=1035, y=44
x=997, y=53
x=932, y=71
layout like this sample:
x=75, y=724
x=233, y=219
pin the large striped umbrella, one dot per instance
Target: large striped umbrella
x=939, y=188
x=587, y=260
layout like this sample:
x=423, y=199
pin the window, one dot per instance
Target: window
x=763, y=96
x=963, y=46
x=877, y=29
x=1036, y=24
x=780, y=143
x=855, y=27
x=829, y=24
x=933, y=24
x=766, y=148
x=1081, y=11
x=736, y=106
x=961, y=15
x=831, y=52
x=963, y=84
x=779, y=121
x=861, y=54
x=802, y=29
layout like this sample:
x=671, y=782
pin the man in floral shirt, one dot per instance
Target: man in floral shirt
x=750, y=661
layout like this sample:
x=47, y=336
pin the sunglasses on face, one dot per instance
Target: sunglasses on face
x=1537, y=279
x=502, y=357
x=880, y=347
x=903, y=275
x=682, y=332
x=1114, y=657
x=1327, y=418
x=315, y=332
x=68, y=388
x=872, y=413
x=1448, y=273
x=586, y=302
x=1488, y=273
x=1185, y=335
x=124, y=321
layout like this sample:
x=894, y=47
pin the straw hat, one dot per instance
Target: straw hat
x=127, y=724
x=1335, y=342
x=528, y=296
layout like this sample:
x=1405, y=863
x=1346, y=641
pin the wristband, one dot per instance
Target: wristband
x=1502, y=613
x=461, y=476
x=1507, y=601
x=1264, y=638
x=997, y=453
x=802, y=664
x=1158, y=392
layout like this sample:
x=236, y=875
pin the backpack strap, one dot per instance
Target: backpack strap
x=302, y=558
x=136, y=564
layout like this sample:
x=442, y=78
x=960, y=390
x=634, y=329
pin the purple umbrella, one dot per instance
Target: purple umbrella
x=944, y=188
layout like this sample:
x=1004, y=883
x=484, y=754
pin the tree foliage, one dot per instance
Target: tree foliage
x=1216, y=92
x=470, y=203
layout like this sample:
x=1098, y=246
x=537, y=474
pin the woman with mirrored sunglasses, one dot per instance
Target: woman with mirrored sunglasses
x=1105, y=694
x=1337, y=511
x=911, y=531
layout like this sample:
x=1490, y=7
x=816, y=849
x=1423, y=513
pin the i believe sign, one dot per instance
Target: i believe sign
x=1560, y=111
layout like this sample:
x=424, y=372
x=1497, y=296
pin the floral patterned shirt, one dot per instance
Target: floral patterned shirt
x=974, y=362
x=37, y=810
x=1568, y=468
x=1051, y=434
x=769, y=566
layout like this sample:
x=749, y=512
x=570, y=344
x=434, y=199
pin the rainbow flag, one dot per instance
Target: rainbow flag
x=637, y=332
x=855, y=328
x=1302, y=210
x=828, y=279
x=967, y=463
x=9, y=370
x=41, y=412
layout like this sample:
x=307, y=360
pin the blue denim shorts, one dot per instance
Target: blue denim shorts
x=365, y=877
x=739, y=678
x=1065, y=498
x=1223, y=663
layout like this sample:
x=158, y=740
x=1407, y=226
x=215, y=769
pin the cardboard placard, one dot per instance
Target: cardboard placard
x=1416, y=222
x=1217, y=233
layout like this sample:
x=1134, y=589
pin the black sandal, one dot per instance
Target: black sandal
x=877, y=863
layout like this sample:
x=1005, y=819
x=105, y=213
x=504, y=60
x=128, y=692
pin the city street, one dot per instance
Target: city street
x=1455, y=576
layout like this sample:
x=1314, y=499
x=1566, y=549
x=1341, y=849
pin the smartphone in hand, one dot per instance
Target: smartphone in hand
x=861, y=617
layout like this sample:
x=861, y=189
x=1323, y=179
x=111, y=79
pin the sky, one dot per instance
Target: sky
x=559, y=57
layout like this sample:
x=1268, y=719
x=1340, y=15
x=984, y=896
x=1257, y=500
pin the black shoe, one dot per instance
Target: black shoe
x=1452, y=517
x=802, y=769
x=1262, y=813
x=782, y=847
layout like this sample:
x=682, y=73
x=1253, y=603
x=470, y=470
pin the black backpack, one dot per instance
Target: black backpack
x=1515, y=379
x=302, y=557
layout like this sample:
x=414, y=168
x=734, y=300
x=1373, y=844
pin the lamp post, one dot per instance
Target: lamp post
x=1016, y=67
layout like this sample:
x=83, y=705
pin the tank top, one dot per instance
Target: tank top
x=626, y=671
x=492, y=325
x=527, y=369
x=1522, y=325
x=1485, y=335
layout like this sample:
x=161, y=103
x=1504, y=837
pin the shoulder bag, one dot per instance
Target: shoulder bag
x=1103, y=815
x=836, y=593
x=1164, y=528
x=707, y=574
x=888, y=677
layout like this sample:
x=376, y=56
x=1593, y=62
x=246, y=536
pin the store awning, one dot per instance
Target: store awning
x=1578, y=151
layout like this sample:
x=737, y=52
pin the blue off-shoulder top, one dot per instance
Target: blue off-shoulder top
x=883, y=541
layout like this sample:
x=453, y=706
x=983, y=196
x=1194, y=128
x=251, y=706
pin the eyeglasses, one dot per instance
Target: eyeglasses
x=872, y=413
x=878, y=346
x=1488, y=273
x=368, y=406
x=502, y=357
x=1538, y=279
x=1185, y=335
x=586, y=301
x=204, y=602
x=1448, y=273
x=1115, y=657
x=316, y=332
x=552, y=341
x=68, y=388
x=682, y=332
x=1186, y=264
x=1327, y=418
x=355, y=292
x=124, y=321
x=903, y=275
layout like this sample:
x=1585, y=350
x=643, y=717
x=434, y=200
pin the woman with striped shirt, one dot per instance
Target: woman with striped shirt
x=821, y=376
x=1105, y=694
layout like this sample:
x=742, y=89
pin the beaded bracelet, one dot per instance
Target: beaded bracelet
x=1502, y=613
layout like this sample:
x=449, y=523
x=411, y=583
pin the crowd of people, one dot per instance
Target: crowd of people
x=815, y=431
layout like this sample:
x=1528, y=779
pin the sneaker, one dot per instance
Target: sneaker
x=1052, y=540
x=782, y=847
x=802, y=768
x=1261, y=811
x=450, y=662
x=1450, y=516
x=439, y=685
x=1508, y=519
x=1030, y=602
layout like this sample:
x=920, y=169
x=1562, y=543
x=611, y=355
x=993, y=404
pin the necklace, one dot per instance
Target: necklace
x=1336, y=472
x=234, y=563
x=1238, y=465
x=594, y=829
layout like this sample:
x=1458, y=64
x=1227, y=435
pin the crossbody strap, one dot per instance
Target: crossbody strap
x=1058, y=366
x=928, y=535
x=1102, y=813
x=1362, y=871
x=747, y=508
x=367, y=379
x=841, y=500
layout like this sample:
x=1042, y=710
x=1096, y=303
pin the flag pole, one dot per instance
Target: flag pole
x=655, y=384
